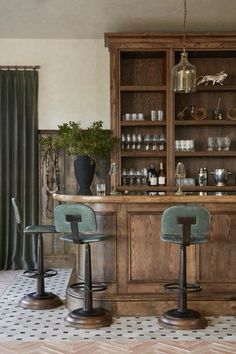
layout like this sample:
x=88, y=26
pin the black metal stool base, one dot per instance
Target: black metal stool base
x=33, y=301
x=175, y=319
x=96, y=318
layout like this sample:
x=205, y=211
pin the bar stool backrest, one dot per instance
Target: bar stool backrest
x=172, y=231
x=88, y=218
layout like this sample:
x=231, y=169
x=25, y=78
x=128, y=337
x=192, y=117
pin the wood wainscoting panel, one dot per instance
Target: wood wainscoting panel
x=217, y=258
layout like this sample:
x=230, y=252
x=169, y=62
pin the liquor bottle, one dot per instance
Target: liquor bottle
x=152, y=175
x=161, y=176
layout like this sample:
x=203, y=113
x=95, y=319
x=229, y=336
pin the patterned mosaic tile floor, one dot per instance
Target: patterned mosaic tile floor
x=27, y=325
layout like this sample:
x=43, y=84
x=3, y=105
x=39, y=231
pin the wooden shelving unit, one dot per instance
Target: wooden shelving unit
x=141, y=66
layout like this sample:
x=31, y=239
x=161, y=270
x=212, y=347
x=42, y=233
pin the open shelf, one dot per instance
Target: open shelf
x=142, y=88
x=205, y=122
x=142, y=123
x=143, y=154
x=216, y=87
x=205, y=153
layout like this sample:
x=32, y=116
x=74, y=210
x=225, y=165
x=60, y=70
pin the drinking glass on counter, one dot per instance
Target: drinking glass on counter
x=101, y=189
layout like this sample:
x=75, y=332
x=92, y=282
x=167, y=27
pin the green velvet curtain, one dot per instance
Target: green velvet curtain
x=18, y=165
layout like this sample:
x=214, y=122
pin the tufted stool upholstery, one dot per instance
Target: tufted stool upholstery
x=40, y=299
x=78, y=222
x=184, y=225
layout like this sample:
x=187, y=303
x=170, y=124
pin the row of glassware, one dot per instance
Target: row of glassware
x=154, y=115
x=218, y=143
x=133, y=116
x=146, y=142
x=184, y=145
x=131, y=177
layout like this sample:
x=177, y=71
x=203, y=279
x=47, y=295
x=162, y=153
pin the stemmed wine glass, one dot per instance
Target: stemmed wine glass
x=180, y=173
x=226, y=143
x=210, y=143
x=219, y=143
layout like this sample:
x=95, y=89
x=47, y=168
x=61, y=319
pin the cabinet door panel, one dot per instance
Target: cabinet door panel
x=218, y=256
x=150, y=258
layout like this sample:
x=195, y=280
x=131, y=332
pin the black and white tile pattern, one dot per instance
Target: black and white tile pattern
x=25, y=325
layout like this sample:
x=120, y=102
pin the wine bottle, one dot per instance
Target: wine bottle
x=161, y=176
x=152, y=175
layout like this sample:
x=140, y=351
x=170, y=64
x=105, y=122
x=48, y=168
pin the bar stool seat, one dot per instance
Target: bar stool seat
x=78, y=222
x=184, y=225
x=40, y=299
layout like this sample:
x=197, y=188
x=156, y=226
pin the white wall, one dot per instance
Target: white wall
x=73, y=78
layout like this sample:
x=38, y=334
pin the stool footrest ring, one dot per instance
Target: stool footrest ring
x=47, y=273
x=82, y=286
x=175, y=287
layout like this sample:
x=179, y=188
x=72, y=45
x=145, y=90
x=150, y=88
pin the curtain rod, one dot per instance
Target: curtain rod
x=20, y=67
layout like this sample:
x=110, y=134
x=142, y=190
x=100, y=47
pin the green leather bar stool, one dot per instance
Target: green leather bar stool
x=184, y=225
x=78, y=222
x=40, y=299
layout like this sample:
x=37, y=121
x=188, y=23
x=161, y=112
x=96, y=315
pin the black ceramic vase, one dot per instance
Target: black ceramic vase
x=84, y=172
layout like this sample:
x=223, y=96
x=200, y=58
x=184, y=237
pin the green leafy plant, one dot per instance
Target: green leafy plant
x=91, y=142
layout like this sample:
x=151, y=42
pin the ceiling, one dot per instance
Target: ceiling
x=92, y=18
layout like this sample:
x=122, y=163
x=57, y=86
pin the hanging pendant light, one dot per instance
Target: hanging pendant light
x=184, y=73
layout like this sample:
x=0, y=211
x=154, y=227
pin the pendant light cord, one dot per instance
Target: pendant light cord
x=184, y=29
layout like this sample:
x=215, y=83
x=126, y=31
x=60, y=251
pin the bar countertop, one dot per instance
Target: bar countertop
x=139, y=199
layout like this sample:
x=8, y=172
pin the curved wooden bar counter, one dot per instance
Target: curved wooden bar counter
x=136, y=263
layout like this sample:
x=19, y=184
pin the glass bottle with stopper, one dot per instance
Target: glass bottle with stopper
x=179, y=174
